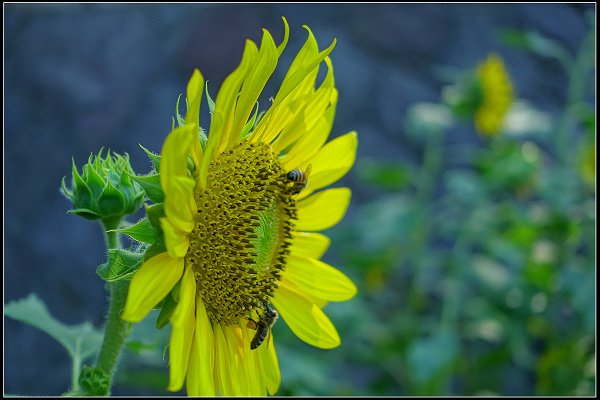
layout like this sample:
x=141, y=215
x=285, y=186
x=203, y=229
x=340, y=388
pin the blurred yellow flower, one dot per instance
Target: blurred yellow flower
x=496, y=95
x=240, y=227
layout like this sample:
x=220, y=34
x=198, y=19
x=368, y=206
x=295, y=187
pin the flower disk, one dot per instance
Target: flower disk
x=242, y=232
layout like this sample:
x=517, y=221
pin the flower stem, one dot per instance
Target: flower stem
x=116, y=330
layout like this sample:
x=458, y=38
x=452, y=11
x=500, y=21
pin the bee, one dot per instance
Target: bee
x=299, y=178
x=262, y=326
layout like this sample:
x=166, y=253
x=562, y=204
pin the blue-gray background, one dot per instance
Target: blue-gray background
x=79, y=77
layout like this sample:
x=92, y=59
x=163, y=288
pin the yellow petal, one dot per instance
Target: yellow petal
x=322, y=210
x=270, y=366
x=175, y=180
x=194, y=96
x=309, y=244
x=318, y=279
x=319, y=302
x=251, y=365
x=234, y=337
x=222, y=119
x=228, y=382
x=332, y=162
x=311, y=141
x=187, y=300
x=305, y=319
x=150, y=284
x=254, y=83
x=176, y=240
x=286, y=35
x=184, y=324
x=200, y=370
x=296, y=85
x=306, y=60
x=309, y=114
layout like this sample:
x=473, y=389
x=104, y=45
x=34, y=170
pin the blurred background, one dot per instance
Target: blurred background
x=473, y=251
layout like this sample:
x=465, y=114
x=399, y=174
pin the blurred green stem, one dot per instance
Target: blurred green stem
x=432, y=162
x=116, y=330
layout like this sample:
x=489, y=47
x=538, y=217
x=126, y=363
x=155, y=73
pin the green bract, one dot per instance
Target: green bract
x=105, y=189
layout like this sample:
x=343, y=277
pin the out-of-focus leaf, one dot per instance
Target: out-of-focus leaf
x=430, y=356
x=386, y=175
x=81, y=341
x=534, y=42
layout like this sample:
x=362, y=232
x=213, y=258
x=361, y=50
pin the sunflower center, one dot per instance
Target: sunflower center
x=242, y=232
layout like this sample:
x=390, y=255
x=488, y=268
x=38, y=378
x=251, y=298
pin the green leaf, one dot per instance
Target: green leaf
x=81, y=341
x=121, y=264
x=151, y=185
x=142, y=231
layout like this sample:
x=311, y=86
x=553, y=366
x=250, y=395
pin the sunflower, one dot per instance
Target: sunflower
x=496, y=91
x=242, y=211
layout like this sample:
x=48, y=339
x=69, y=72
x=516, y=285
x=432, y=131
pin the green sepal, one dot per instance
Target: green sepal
x=142, y=231
x=94, y=381
x=85, y=213
x=64, y=189
x=209, y=100
x=111, y=201
x=156, y=248
x=121, y=264
x=151, y=185
x=92, y=178
x=166, y=310
x=180, y=119
x=155, y=212
x=154, y=158
x=250, y=124
x=84, y=193
x=203, y=138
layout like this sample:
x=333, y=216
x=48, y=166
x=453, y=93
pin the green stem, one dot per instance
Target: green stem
x=116, y=330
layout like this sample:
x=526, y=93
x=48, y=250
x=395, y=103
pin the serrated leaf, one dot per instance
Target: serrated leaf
x=151, y=185
x=121, y=264
x=154, y=213
x=81, y=341
x=142, y=231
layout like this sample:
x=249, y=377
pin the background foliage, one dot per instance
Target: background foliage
x=474, y=256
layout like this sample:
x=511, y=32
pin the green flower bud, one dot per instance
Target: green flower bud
x=105, y=189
